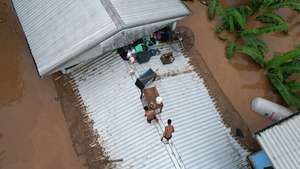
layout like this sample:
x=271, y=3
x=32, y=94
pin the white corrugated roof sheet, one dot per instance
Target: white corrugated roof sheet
x=281, y=142
x=59, y=30
x=201, y=139
x=135, y=12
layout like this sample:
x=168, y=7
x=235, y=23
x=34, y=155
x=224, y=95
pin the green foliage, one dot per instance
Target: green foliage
x=265, y=4
x=213, y=8
x=255, y=5
x=230, y=50
x=233, y=19
x=293, y=86
x=292, y=4
x=291, y=68
x=265, y=29
x=254, y=54
x=230, y=23
x=282, y=65
x=245, y=10
x=284, y=58
x=271, y=18
x=290, y=98
x=256, y=43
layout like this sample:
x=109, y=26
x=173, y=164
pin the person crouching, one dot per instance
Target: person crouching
x=150, y=115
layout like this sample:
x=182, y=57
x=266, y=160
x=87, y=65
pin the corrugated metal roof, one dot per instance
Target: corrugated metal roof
x=201, y=139
x=59, y=30
x=281, y=142
x=135, y=12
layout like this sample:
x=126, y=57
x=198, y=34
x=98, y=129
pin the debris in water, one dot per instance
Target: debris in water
x=2, y=20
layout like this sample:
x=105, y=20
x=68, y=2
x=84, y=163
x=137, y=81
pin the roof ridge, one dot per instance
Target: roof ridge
x=113, y=14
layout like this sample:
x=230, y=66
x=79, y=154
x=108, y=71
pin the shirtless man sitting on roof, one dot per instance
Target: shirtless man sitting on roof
x=150, y=114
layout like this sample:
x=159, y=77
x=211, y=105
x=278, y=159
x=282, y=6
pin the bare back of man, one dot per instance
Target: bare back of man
x=169, y=130
x=151, y=115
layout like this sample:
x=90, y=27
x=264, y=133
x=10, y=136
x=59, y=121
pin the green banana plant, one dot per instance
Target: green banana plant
x=266, y=6
x=213, y=7
x=256, y=43
x=270, y=18
x=294, y=86
x=252, y=46
x=279, y=68
x=282, y=65
x=254, y=53
x=292, y=4
x=290, y=98
x=231, y=49
x=291, y=68
x=265, y=29
x=283, y=58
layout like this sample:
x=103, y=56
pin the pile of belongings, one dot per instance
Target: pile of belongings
x=143, y=49
x=167, y=58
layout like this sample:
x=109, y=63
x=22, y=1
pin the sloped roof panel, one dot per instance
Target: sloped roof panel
x=201, y=139
x=57, y=30
x=281, y=142
x=135, y=12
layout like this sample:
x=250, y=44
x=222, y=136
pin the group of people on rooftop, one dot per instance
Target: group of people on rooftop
x=169, y=128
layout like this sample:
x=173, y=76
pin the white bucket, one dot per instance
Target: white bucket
x=269, y=109
x=158, y=100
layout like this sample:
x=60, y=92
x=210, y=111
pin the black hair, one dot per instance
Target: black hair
x=146, y=108
x=169, y=121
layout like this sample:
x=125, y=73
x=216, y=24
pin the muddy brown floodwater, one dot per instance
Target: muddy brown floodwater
x=33, y=131
x=240, y=79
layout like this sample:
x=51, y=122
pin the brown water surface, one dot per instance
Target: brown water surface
x=11, y=82
x=33, y=131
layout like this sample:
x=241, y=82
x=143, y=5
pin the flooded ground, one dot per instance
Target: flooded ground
x=240, y=79
x=11, y=85
x=33, y=131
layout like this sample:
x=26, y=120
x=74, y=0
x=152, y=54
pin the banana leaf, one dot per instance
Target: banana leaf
x=270, y=18
x=233, y=19
x=290, y=69
x=265, y=4
x=281, y=59
x=256, y=43
x=294, y=5
x=231, y=24
x=290, y=98
x=255, y=5
x=212, y=9
x=265, y=29
x=254, y=54
x=239, y=18
x=245, y=10
x=278, y=73
x=230, y=50
x=293, y=86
